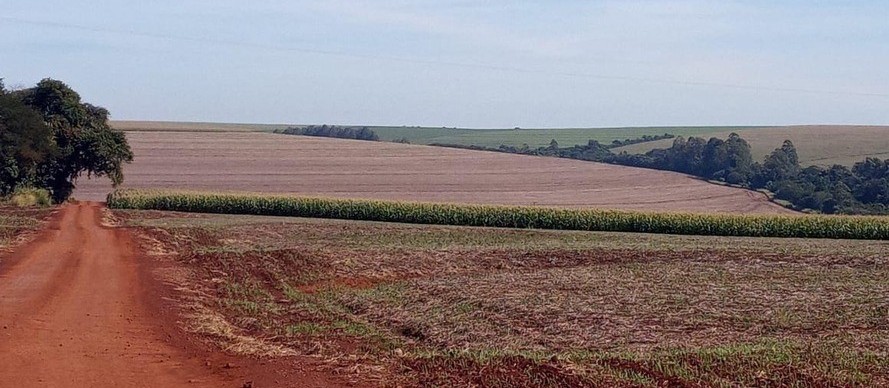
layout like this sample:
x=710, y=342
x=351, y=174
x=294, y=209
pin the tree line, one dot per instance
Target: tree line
x=49, y=138
x=357, y=133
x=862, y=189
x=642, y=139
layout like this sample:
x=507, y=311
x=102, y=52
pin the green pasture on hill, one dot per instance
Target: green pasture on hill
x=533, y=137
x=818, y=145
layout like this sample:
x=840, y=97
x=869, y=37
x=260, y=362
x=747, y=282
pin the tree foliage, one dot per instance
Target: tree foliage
x=358, y=133
x=864, y=189
x=25, y=143
x=641, y=139
x=50, y=138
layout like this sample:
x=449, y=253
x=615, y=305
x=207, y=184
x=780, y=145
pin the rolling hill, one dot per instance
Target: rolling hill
x=822, y=145
x=442, y=135
x=264, y=162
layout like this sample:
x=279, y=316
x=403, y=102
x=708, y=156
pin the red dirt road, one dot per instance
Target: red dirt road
x=75, y=312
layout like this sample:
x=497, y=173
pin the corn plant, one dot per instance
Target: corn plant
x=804, y=226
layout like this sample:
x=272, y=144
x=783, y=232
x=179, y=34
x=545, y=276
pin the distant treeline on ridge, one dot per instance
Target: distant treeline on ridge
x=357, y=133
x=863, y=189
x=643, y=139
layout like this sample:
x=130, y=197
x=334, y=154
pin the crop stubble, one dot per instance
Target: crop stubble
x=454, y=302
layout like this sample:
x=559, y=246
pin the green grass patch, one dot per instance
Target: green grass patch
x=768, y=362
x=308, y=328
x=534, y=137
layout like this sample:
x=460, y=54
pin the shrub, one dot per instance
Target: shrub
x=29, y=197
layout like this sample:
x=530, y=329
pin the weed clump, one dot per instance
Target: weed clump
x=30, y=197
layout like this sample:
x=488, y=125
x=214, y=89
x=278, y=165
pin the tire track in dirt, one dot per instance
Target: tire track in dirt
x=74, y=311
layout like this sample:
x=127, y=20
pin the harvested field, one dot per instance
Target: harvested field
x=431, y=305
x=262, y=162
x=178, y=126
x=493, y=137
x=822, y=145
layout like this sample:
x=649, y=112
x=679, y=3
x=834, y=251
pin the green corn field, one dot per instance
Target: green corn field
x=804, y=226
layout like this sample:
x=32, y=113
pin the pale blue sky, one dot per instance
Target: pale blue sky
x=461, y=63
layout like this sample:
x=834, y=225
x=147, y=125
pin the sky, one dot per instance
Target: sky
x=482, y=64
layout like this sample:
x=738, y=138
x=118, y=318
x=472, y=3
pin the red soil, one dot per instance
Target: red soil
x=80, y=308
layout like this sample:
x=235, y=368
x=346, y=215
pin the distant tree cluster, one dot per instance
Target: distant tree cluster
x=641, y=139
x=724, y=160
x=863, y=189
x=592, y=151
x=48, y=138
x=358, y=133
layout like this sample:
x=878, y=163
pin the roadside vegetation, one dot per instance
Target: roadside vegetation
x=15, y=221
x=29, y=197
x=49, y=138
x=847, y=227
x=443, y=306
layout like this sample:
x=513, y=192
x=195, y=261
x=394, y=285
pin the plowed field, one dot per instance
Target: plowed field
x=263, y=162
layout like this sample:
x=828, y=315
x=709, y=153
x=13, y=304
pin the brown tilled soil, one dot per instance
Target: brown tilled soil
x=409, y=305
x=79, y=307
x=263, y=162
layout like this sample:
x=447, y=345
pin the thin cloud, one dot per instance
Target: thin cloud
x=427, y=19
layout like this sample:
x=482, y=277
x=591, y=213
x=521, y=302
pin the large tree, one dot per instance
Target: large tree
x=80, y=139
x=781, y=164
x=25, y=142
